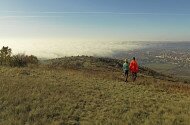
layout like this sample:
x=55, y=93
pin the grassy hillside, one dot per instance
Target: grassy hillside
x=95, y=63
x=168, y=68
x=58, y=92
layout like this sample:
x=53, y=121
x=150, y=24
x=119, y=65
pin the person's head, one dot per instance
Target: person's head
x=133, y=58
x=126, y=60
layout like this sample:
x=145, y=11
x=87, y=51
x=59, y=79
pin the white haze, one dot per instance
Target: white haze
x=61, y=49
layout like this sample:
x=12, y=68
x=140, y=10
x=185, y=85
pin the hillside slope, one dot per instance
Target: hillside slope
x=59, y=93
x=95, y=63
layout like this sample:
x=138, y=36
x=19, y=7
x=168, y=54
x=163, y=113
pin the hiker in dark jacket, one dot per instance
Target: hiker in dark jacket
x=126, y=70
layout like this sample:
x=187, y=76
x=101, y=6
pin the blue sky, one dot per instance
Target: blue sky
x=94, y=20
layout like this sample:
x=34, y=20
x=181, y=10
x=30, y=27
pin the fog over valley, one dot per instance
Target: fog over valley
x=61, y=49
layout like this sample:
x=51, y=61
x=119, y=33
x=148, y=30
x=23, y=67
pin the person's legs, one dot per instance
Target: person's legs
x=134, y=76
x=126, y=75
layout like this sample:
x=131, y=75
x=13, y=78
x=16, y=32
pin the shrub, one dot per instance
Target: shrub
x=19, y=60
x=32, y=60
x=22, y=60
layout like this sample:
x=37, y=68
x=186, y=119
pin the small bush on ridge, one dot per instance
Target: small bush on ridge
x=21, y=60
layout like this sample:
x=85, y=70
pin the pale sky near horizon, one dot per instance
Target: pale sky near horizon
x=94, y=20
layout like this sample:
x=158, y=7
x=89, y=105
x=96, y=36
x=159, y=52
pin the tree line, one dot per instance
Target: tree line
x=18, y=60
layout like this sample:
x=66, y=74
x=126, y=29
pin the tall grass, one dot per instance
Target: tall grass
x=100, y=97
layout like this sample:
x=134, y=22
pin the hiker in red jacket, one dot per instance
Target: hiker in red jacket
x=134, y=68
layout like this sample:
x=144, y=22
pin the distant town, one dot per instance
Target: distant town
x=177, y=57
x=172, y=58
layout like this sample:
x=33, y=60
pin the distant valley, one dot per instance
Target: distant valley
x=169, y=58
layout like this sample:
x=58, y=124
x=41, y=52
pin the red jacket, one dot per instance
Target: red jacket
x=134, y=66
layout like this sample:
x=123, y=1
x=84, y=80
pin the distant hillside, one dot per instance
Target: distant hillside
x=100, y=63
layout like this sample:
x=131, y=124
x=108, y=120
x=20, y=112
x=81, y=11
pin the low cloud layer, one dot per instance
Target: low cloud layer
x=61, y=49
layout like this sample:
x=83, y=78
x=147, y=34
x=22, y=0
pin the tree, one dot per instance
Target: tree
x=5, y=55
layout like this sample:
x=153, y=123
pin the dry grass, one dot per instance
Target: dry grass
x=64, y=96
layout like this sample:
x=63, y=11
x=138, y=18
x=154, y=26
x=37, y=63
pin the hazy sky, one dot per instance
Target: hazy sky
x=94, y=20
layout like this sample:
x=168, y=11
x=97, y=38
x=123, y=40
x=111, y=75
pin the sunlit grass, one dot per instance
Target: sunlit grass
x=49, y=96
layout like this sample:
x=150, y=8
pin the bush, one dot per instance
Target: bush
x=22, y=60
x=33, y=59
